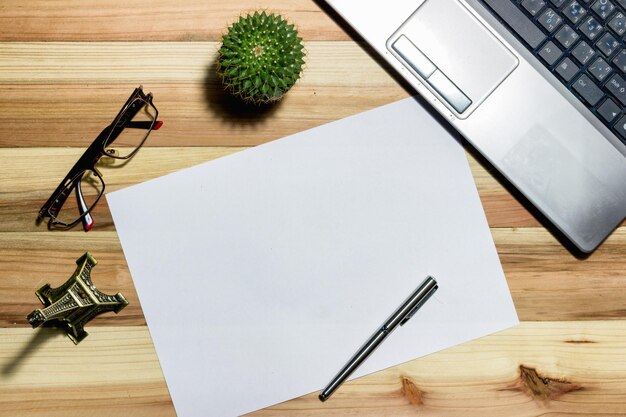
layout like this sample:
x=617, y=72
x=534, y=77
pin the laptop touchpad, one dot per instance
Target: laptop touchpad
x=457, y=56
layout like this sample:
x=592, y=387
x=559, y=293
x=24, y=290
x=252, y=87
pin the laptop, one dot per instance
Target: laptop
x=538, y=87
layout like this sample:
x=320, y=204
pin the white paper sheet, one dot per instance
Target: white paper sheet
x=262, y=272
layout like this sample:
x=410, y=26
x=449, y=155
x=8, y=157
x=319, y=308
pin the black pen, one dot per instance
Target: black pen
x=399, y=317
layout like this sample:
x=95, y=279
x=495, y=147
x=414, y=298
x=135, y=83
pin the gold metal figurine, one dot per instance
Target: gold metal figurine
x=74, y=303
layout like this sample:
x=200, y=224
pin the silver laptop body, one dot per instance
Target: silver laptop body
x=461, y=57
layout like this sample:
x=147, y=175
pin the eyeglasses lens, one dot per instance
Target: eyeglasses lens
x=81, y=194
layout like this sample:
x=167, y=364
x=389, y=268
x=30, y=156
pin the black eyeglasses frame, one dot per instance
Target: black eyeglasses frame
x=87, y=162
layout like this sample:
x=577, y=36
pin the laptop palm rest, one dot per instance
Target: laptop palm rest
x=452, y=53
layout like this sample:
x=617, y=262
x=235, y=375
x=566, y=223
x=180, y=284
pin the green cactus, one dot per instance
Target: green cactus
x=261, y=58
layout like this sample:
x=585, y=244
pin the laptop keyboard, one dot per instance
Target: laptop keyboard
x=582, y=43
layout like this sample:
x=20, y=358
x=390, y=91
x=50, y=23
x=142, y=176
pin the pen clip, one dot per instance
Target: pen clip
x=417, y=307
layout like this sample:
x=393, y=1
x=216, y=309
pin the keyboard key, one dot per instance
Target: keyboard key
x=620, y=60
x=550, y=20
x=591, y=28
x=600, y=69
x=620, y=128
x=618, y=23
x=518, y=21
x=574, y=11
x=583, y=52
x=567, y=69
x=609, y=110
x=590, y=92
x=533, y=6
x=603, y=8
x=617, y=87
x=608, y=44
x=567, y=36
x=582, y=42
x=550, y=53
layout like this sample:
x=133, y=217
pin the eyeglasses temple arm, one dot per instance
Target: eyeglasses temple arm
x=145, y=125
x=86, y=218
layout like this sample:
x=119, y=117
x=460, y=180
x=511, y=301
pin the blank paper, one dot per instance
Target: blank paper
x=262, y=272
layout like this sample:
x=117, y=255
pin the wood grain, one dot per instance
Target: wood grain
x=547, y=281
x=64, y=74
x=30, y=260
x=492, y=376
x=155, y=20
x=560, y=368
x=538, y=269
x=30, y=175
x=116, y=373
x=63, y=94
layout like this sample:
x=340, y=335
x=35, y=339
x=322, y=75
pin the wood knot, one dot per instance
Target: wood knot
x=542, y=387
x=411, y=391
x=581, y=341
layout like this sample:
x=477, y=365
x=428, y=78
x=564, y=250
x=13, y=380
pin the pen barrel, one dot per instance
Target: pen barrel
x=354, y=362
x=399, y=317
x=413, y=303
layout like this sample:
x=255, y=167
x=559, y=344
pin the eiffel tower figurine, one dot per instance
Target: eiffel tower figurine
x=74, y=303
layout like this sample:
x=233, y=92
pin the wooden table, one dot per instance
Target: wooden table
x=65, y=68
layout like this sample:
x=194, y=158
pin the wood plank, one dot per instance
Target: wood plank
x=564, y=368
x=539, y=271
x=112, y=372
x=28, y=185
x=531, y=370
x=31, y=174
x=64, y=94
x=30, y=260
x=546, y=282
x=162, y=20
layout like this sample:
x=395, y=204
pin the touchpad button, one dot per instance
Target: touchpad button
x=460, y=46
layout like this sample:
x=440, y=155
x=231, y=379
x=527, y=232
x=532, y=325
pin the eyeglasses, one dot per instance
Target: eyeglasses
x=129, y=129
